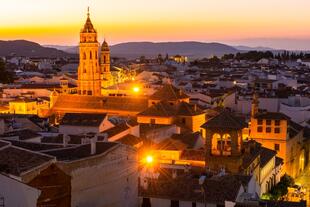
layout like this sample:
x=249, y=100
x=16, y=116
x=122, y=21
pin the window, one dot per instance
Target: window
x=268, y=129
x=260, y=122
x=174, y=203
x=268, y=122
x=104, y=59
x=277, y=130
x=153, y=121
x=2, y=201
x=277, y=147
x=90, y=55
x=277, y=122
x=259, y=129
x=89, y=93
x=146, y=202
x=84, y=56
x=183, y=121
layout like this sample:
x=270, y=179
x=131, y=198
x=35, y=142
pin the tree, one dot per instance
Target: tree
x=280, y=189
x=5, y=76
x=228, y=56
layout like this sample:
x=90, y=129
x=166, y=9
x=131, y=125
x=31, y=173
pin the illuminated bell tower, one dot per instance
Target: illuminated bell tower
x=105, y=65
x=89, y=80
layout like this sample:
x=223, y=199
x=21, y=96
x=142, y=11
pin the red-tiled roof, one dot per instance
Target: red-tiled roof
x=76, y=119
x=168, y=93
x=225, y=120
x=16, y=161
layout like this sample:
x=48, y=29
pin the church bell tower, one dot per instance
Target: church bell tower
x=89, y=75
x=105, y=65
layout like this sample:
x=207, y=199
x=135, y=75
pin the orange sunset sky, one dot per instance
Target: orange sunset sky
x=229, y=21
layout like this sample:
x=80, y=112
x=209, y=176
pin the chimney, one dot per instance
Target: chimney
x=174, y=174
x=202, y=179
x=93, y=142
x=65, y=139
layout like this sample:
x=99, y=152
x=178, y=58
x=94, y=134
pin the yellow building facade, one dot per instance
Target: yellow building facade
x=277, y=132
x=27, y=106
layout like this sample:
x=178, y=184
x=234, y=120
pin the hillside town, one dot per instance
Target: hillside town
x=167, y=131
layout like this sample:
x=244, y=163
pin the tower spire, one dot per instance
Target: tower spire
x=88, y=11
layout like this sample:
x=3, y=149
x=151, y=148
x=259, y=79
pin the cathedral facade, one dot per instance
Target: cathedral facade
x=94, y=66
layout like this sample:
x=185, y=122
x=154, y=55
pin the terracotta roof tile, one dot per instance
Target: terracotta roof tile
x=168, y=93
x=75, y=119
x=225, y=120
x=16, y=161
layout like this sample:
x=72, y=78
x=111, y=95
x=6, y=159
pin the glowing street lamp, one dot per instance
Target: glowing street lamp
x=149, y=159
x=136, y=89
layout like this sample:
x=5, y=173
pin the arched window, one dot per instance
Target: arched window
x=84, y=56
x=216, y=144
x=90, y=55
x=226, y=143
x=104, y=59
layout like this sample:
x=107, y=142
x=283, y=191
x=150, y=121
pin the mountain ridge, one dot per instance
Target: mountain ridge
x=192, y=49
x=29, y=49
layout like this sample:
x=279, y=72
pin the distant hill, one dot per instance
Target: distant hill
x=190, y=49
x=29, y=49
x=150, y=49
x=246, y=48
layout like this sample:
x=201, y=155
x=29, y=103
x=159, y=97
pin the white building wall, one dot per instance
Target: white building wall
x=72, y=130
x=17, y=194
x=243, y=106
x=13, y=92
x=111, y=182
x=269, y=104
x=297, y=114
x=230, y=101
x=159, y=202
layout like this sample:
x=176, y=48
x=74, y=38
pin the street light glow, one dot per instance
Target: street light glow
x=136, y=89
x=149, y=159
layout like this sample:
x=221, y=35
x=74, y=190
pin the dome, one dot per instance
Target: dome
x=105, y=46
